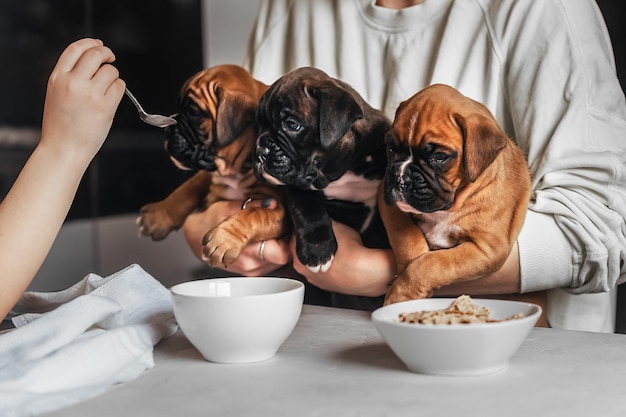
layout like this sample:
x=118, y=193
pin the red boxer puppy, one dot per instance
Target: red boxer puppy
x=455, y=193
x=216, y=135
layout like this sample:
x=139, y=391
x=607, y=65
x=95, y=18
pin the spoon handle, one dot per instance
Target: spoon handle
x=134, y=100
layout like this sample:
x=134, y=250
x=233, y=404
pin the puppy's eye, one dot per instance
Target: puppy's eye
x=291, y=125
x=439, y=159
x=396, y=153
x=392, y=150
x=194, y=111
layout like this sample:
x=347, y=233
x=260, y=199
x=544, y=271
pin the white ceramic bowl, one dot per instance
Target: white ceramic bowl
x=456, y=349
x=238, y=320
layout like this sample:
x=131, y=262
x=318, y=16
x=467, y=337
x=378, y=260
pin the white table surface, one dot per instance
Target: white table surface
x=336, y=364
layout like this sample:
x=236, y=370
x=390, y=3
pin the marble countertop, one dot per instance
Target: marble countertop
x=336, y=364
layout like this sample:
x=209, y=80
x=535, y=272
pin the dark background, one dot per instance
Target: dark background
x=614, y=15
x=158, y=45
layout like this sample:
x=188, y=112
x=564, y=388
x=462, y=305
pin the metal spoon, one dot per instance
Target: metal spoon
x=157, y=120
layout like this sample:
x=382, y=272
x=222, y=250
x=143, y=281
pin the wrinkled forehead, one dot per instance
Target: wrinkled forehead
x=291, y=95
x=427, y=119
x=201, y=90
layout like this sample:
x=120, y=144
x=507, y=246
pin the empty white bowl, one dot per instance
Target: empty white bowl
x=456, y=349
x=240, y=319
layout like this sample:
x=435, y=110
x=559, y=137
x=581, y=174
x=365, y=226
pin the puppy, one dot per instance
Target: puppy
x=455, y=193
x=321, y=141
x=215, y=135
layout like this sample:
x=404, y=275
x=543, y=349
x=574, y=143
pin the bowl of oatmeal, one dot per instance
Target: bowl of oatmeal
x=456, y=337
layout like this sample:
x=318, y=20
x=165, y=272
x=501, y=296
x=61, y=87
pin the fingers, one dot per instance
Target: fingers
x=88, y=59
x=249, y=263
x=107, y=78
x=73, y=52
x=275, y=252
x=92, y=59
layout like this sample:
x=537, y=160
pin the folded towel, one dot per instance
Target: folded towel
x=74, y=344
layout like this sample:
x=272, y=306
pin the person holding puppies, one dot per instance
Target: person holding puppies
x=546, y=72
x=83, y=93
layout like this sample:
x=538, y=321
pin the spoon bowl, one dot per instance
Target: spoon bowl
x=157, y=120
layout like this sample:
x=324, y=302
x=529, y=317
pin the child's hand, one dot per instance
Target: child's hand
x=83, y=93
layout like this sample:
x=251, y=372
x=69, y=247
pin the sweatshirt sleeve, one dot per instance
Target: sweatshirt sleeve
x=569, y=116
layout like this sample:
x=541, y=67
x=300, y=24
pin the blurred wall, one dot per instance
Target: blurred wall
x=226, y=29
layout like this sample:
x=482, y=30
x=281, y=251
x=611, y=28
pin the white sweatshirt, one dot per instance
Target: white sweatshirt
x=545, y=69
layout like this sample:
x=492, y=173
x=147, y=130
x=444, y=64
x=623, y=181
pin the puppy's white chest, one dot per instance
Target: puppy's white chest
x=440, y=231
x=351, y=187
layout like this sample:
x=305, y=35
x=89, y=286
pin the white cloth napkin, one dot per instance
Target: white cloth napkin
x=75, y=344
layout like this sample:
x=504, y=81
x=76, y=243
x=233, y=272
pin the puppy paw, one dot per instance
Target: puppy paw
x=317, y=256
x=404, y=289
x=220, y=247
x=154, y=221
x=323, y=268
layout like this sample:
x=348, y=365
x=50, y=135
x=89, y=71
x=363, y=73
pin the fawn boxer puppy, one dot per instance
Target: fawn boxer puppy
x=455, y=193
x=321, y=141
x=215, y=135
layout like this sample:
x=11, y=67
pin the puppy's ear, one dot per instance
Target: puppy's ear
x=338, y=110
x=482, y=142
x=234, y=113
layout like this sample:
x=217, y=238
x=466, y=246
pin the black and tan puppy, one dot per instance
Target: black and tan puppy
x=320, y=140
x=455, y=193
x=215, y=135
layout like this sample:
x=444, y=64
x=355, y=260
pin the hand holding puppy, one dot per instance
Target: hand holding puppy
x=356, y=269
x=248, y=263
